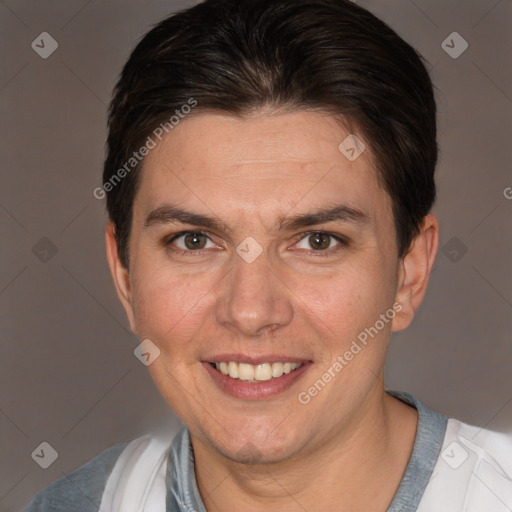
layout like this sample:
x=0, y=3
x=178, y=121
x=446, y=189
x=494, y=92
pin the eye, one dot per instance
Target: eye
x=318, y=241
x=191, y=241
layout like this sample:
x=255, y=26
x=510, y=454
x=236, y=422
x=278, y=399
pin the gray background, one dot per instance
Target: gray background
x=68, y=373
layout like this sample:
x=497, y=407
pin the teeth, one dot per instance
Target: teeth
x=263, y=372
x=277, y=369
x=245, y=371
x=233, y=370
x=255, y=373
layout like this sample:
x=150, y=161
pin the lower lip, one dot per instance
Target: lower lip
x=256, y=390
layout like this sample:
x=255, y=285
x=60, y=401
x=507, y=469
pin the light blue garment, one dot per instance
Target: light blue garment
x=427, y=445
x=82, y=490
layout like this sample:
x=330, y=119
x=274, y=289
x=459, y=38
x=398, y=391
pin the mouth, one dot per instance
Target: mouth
x=262, y=380
x=255, y=372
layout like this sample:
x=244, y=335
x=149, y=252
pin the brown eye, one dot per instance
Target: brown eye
x=319, y=241
x=192, y=241
x=195, y=241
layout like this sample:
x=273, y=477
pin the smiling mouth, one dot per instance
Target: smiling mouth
x=255, y=372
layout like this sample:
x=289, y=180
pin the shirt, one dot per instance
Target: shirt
x=453, y=466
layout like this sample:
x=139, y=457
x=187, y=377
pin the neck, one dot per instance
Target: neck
x=359, y=468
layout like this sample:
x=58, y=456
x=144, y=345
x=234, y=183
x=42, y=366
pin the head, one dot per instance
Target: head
x=269, y=177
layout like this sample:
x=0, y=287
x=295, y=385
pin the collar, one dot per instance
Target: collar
x=183, y=494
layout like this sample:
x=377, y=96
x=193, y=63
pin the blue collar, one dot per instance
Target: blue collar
x=427, y=445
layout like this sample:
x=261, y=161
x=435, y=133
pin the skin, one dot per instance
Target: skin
x=351, y=443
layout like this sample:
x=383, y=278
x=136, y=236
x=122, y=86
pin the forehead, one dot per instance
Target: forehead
x=267, y=161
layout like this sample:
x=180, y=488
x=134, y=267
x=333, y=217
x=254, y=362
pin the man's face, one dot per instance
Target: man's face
x=290, y=255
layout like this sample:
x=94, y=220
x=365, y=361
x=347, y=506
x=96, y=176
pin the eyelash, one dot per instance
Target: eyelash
x=342, y=240
x=169, y=241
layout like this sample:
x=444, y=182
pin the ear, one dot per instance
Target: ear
x=414, y=272
x=119, y=274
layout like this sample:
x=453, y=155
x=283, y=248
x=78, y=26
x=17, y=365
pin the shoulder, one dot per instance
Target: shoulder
x=473, y=471
x=494, y=448
x=81, y=490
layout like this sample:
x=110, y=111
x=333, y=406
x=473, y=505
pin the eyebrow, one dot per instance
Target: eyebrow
x=343, y=213
x=170, y=214
x=166, y=214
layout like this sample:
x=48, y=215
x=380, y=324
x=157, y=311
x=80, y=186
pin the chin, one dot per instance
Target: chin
x=257, y=446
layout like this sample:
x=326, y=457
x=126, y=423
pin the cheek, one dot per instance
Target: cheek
x=344, y=311
x=349, y=299
x=170, y=308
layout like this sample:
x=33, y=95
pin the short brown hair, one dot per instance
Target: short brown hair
x=237, y=56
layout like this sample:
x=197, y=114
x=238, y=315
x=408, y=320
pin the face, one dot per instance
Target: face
x=259, y=250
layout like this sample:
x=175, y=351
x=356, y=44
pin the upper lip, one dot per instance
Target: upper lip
x=255, y=359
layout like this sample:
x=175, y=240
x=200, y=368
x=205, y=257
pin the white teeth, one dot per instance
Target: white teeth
x=277, y=369
x=263, y=372
x=245, y=371
x=233, y=370
x=254, y=373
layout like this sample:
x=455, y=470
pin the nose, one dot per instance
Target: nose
x=252, y=300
